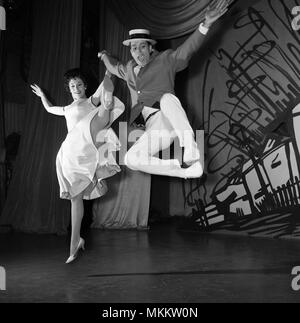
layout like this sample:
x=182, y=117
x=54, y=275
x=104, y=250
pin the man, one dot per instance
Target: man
x=150, y=78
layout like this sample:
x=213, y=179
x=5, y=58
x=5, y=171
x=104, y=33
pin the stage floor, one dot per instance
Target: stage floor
x=162, y=265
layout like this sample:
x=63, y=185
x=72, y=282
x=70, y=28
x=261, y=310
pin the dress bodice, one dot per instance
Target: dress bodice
x=77, y=110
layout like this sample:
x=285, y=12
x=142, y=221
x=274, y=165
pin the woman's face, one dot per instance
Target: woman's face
x=77, y=88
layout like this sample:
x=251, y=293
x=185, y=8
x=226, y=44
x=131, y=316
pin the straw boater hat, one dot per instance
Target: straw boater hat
x=139, y=34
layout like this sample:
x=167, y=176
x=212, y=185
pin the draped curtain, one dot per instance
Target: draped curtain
x=2, y=130
x=33, y=203
x=14, y=117
x=165, y=19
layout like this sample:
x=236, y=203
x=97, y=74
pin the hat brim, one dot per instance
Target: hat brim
x=128, y=41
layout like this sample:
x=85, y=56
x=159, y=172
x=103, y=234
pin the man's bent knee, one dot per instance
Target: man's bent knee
x=168, y=100
x=135, y=159
x=130, y=160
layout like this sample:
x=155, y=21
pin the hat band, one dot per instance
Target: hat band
x=136, y=36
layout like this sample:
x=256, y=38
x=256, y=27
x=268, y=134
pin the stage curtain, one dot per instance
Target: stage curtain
x=126, y=205
x=165, y=19
x=2, y=127
x=33, y=203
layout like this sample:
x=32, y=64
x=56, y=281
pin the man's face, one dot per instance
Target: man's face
x=141, y=51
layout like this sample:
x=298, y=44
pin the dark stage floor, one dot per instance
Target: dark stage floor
x=163, y=264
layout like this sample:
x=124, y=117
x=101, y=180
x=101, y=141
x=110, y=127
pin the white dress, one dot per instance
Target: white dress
x=80, y=166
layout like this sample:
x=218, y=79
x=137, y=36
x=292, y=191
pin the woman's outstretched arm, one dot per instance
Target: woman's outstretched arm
x=46, y=103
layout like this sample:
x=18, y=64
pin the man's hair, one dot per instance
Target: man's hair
x=149, y=44
x=72, y=74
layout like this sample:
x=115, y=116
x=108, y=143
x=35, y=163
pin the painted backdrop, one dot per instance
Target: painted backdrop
x=249, y=103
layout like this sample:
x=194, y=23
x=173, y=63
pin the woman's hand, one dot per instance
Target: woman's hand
x=102, y=53
x=46, y=103
x=213, y=14
x=37, y=90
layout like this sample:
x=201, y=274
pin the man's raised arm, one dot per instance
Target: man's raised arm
x=113, y=65
x=185, y=51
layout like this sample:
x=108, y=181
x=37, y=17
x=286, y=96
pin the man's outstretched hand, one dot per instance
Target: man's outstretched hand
x=213, y=14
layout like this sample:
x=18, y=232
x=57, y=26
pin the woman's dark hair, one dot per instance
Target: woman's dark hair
x=72, y=74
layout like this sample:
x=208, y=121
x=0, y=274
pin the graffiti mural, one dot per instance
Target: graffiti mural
x=252, y=126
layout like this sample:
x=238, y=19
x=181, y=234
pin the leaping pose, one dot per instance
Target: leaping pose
x=83, y=162
x=150, y=78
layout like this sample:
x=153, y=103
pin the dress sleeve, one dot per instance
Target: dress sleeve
x=59, y=111
x=90, y=101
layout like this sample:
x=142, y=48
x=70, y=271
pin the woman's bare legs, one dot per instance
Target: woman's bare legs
x=102, y=119
x=77, y=210
x=111, y=108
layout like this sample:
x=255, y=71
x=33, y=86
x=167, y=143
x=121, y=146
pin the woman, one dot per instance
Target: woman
x=85, y=157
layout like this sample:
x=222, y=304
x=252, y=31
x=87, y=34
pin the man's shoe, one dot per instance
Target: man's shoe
x=191, y=154
x=194, y=171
